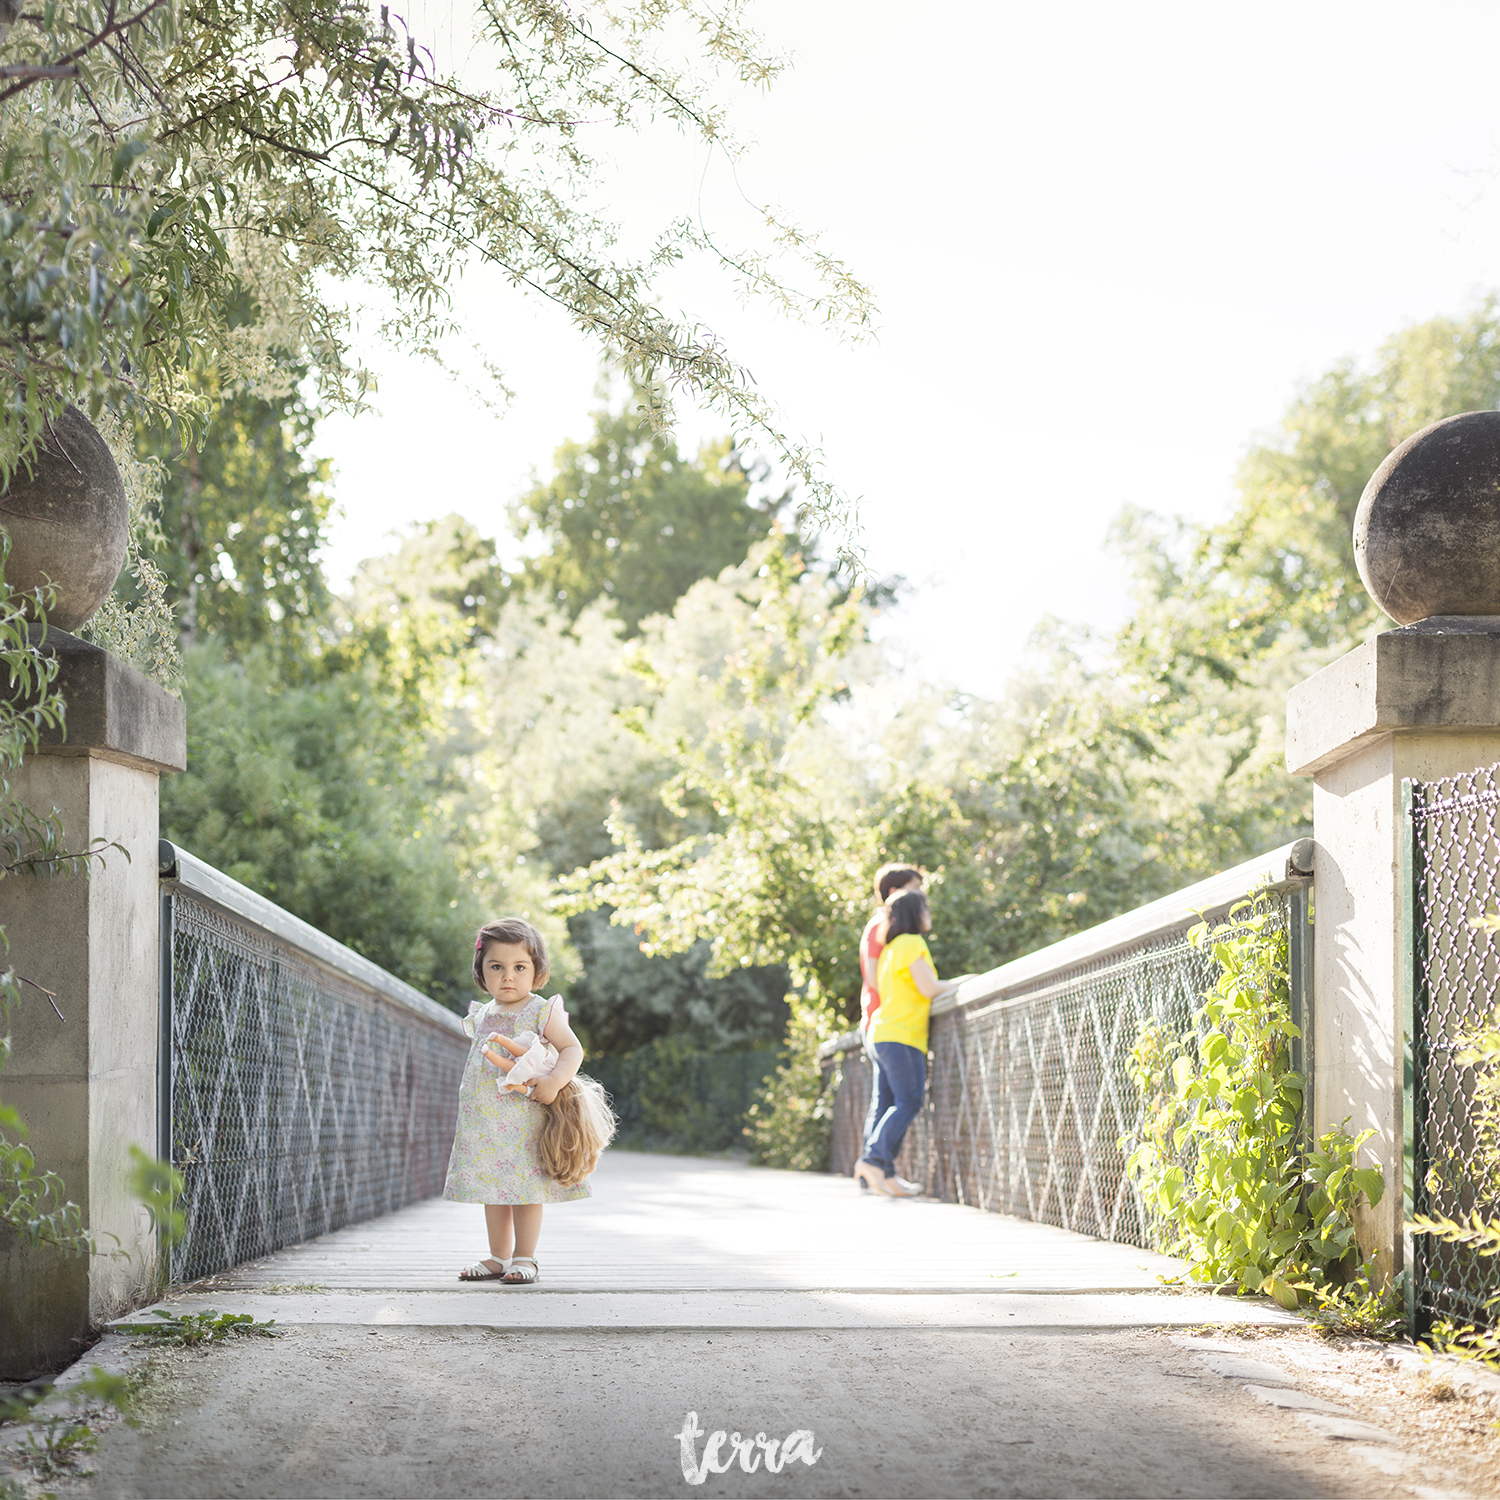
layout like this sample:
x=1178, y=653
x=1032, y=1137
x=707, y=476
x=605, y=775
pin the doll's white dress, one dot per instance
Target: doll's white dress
x=494, y=1156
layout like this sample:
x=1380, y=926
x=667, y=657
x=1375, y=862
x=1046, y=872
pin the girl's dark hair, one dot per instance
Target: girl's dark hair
x=907, y=911
x=512, y=930
x=890, y=878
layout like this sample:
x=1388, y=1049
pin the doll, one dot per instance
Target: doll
x=530, y=1059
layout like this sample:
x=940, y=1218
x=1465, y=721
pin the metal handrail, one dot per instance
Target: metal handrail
x=177, y=867
x=1275, y=871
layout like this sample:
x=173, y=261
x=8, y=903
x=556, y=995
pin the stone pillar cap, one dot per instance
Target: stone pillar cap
x=113, y=711
x=1440, y=674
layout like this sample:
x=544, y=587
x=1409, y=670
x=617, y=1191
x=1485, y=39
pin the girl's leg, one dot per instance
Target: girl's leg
x=906, y=1069
x=498, y=1221
x=528, y=1222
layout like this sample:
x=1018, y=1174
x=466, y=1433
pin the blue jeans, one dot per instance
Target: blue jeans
x=881, y=1097
x=901, y=1075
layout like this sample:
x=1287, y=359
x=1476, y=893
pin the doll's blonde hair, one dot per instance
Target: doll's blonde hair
x=576, y=1127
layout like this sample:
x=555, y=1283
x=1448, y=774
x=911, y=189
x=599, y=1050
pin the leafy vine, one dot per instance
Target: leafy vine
x=1227, y=1173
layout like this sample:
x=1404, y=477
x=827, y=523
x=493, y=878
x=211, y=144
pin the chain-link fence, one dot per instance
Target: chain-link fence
x=303, y=1088
x=1453, y=1039
x=1029, y=1093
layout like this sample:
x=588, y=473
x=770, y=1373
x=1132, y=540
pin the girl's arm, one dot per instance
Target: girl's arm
x=924, y=976
x=569, y=1056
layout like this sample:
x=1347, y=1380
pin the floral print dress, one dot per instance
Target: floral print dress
x=494, y=1156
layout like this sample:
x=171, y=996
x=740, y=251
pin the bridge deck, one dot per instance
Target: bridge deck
x=694, y=1242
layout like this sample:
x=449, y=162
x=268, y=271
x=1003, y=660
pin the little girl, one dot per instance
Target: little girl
x=517, y=1147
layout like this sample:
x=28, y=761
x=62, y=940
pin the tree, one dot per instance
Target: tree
x=770, y=880
x=1229, y=617
x=628, y=519
x=1032, y=821
x=163, y=165
x=624, y=1000
x=322, y=798
x=244, y=517
x=1280, y=572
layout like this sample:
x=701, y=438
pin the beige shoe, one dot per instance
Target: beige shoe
x=900, y=1187
x=868, y=1175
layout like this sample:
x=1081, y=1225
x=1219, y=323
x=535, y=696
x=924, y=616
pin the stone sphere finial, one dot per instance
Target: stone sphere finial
x=68, y=520
x=1427, y=531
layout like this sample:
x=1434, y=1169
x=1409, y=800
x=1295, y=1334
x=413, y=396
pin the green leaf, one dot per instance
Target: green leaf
x=126, y=157
x=1283, y=1294
x=1371, y=1182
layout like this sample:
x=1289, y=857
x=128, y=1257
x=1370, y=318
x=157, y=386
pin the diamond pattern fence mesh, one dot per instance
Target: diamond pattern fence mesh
x=301, y=1099
x=1453, y=1033
x=1029, y=1095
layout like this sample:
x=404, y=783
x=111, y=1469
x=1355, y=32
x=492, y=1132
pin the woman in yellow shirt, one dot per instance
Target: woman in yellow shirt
x=908, y=985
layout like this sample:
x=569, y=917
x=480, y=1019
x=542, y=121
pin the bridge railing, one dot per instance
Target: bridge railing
x=1452, y=1028
x=1028, y=1091
x=300, y=1086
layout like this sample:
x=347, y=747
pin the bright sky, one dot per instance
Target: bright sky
x=1107, y=243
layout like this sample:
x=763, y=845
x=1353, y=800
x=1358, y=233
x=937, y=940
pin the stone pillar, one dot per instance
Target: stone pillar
x=86, y=1085
x=1419, y=702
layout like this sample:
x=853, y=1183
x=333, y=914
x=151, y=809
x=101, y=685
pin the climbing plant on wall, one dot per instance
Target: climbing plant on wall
x=1220, y=1157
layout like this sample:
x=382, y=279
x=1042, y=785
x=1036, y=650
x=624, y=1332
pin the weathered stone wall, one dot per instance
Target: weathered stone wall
x=86, y=1086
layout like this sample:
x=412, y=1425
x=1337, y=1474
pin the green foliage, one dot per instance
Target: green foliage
x=58, y=1449
x=781, y=824
x=623, y=1000
x=211, y=153
x=670, y=1097
x=17, y=1406
x=1218, y=1155
x=56, y=1442
x=158, y=1187
x=75, y=310
x=1229, y=616
x=243, y=516
x=1360, y=1309
x=1290, y=542
x=1026, y=831
x=137, y=622
x=1475, y=1233
x=1478, y=1050
x=33, y=1201
x=193, y=1330
x=771, y=883
x=317, y=795
x=628, y=519
x=791, y=1125
x=1470, y=1342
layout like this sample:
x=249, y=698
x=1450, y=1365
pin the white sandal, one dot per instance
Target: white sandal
x=523, y=1271
x=480, y=1270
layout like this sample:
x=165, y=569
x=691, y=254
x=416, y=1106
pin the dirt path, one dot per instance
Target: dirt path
x=345, y=1411
x=923, y=1348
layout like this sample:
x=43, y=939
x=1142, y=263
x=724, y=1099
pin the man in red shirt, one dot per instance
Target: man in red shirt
x=890, y=882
